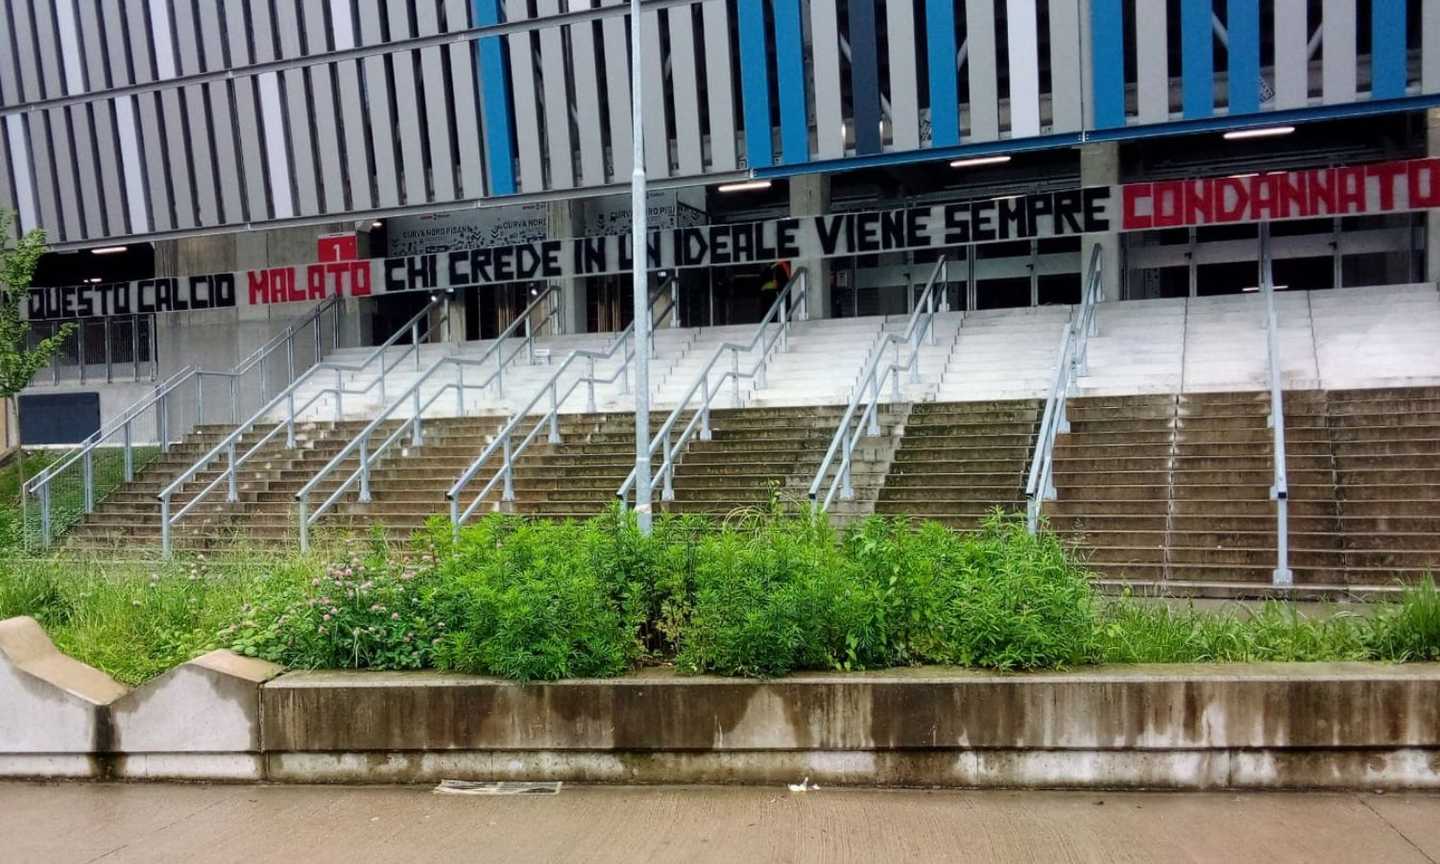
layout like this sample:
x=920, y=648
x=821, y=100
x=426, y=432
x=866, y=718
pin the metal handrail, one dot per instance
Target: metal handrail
x=1069, y=366
x=361, y=441
x=227, y=445
x=920, y=326
x=1280, y=491
x=39, y=485
x=778, y=313
x=502, y=441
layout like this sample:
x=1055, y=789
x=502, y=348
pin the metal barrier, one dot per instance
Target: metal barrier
x=417, y=328
x=921, y=326
x=1280, y=491
x=360, y=445
x=795, y=295
x=1069, y=366
x=503, y=441
x=76, y=481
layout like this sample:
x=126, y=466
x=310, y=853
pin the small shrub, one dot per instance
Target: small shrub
x=364, y=611
x=1410, y=630
x=1132, y=632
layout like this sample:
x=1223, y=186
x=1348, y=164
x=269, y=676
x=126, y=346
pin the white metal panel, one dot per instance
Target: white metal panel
x=437, y=106
x=138, y=38
x=904, y=94
x=9, y=78
x=1337, y=50
x=342, y=24
x=31, y=84
x=112, y=178
x=42, y=164
x=273, y=114
x=7, y=194
x=69, y=37
x=617, y=89
x=198, y=131
x=657, y=136
x=467, y=117
x=151, y=135
x=49, y=56
x=557, y=101
x=327, y=136
x=302, y=152
x=1292, y=65
x=719, y=81
x=218, y=93
x=127, y=136
x=65, y=165
x=587, y=94
x=686, y=86
x=176, y=136
x=352, y=109
x=163, y=40
x=527, y=111
x=378, y=110
x=412, y=157
x=1066, y=102
x=287, y=27
x=1430, y=47
x=984, y=91
x=92, y=189
x=20, y=164
x=1152, y=64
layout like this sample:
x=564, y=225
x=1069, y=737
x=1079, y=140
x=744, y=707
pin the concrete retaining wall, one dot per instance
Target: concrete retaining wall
x=224, y=717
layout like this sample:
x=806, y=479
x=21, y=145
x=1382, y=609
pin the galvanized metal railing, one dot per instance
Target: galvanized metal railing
x=418, y=328
x=920, y=327
x=76, y=481
x=1280, y=490
x=794, y=296
x=1071, y=363
x=504, y=440
x=361, y=447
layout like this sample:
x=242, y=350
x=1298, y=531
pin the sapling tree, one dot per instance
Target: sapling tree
x=19, y=360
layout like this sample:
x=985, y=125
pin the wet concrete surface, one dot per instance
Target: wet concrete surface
x=65, y=823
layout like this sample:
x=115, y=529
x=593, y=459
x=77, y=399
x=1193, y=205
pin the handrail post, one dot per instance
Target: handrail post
x=340, y=385
x=365, y=469
x=508, y=494
x=454, y=518
x=734, y=378
x=930, y=310
x=590, y=385
x=88, y=479
x=319, y=351
x=290, y=421
x=45, y=514
x=129, y=454
x=529, y=342
x=415, y=430
x=234, y=400
x=500, y=368
x=165, y=525
x=460, y=390
x=162, y=422
x=847, y=487
x=667, y=492
x=233, y=492
x=705, y=407
x=414, y=343
x=303, y=508
x=554, y=436
x=200, y=397
x=784, y=325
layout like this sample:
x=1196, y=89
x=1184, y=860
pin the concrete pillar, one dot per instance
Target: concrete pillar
x=1432, y=217
x=810, y=196
x=564, y=219
x=1100, y=166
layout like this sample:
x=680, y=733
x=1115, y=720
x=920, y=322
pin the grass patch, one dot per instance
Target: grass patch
x=759, y=597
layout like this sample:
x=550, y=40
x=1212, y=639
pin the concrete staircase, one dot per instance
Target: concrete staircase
x=1175, y=489
x=957, y=461
x=1003, y=354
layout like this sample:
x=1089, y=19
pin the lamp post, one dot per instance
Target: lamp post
x=641, y=281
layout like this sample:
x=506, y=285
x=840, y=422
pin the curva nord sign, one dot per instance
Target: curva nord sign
x=1388, y=187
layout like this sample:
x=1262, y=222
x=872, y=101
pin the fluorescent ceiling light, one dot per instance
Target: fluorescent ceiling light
x=1243, y=176
x=979, y=160
x=745, y=186
x=1255, y=288
x=377, y=224
x=1266, y=132
x=94, y=280
x=108, y=250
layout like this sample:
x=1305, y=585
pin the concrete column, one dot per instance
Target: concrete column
x=810, y=196
x=1100, y=166
x=563, y=220
x=1432, y=217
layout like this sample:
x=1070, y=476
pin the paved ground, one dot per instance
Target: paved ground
x=57, y=824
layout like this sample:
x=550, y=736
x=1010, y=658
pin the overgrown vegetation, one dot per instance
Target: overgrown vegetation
x=763, y=596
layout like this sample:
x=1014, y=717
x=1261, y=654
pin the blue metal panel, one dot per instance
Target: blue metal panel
x=790, y=69
x=1242, y=18
x=495, y=94
x=1107, y=41
x=1197, y=58
x=1387, y=49
x=944, y=95
x=864, y=77
x=755, y=84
